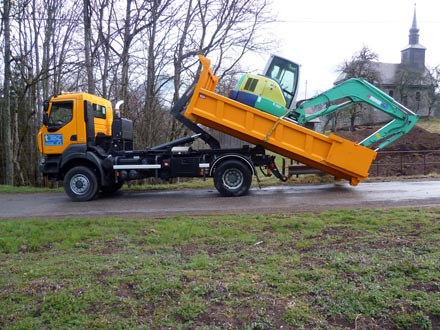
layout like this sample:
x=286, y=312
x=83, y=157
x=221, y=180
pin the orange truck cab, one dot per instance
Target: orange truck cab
x=66, y=121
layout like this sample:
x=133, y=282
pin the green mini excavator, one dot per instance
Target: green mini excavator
x=275, y=91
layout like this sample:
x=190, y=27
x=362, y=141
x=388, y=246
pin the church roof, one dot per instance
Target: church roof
x=387, y=72
x=414, y=46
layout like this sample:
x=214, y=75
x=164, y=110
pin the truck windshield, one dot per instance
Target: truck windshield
x=285, y=72
x=60, y=114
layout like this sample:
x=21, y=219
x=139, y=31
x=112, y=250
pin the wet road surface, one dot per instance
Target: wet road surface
x=278, y=199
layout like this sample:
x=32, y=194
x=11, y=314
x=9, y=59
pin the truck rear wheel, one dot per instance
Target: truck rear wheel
x=81, y=184
x=232, y=178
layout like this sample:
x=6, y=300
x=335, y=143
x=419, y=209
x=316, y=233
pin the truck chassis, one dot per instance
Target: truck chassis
x=86, y=172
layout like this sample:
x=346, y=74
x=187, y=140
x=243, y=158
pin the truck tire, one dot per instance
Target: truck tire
x=232, y=178
x=81, y=184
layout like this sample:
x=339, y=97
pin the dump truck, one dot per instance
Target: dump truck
x=91, y=150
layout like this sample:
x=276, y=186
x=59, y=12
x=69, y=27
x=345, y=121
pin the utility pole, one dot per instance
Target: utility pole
x=305, y=93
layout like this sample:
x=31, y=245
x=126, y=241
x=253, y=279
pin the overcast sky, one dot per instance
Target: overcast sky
x=321, y=34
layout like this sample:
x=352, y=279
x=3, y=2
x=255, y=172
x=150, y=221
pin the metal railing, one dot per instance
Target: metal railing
x=404, y=163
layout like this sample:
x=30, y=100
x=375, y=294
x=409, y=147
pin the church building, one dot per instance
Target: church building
x=409, y=81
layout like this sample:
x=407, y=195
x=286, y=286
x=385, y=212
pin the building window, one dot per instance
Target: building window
x=391, y=93
x=405, y=100
x=418, y=96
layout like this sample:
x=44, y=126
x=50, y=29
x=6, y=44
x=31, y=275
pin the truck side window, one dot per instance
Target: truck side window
x=99, y=111
x=60, y=114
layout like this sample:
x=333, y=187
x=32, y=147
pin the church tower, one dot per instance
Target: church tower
x=414, y=54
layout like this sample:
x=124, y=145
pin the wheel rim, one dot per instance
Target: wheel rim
x=79, y=184
x=233, y=178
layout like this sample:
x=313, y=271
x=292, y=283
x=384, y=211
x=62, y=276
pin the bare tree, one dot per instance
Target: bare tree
x=361, y=65
x=226, y=29
x=103, y=52
x=140, y=50
x=32, y=79
x=87, y=46
x=137, y=18
x=433, y=92
x=157, y=60
x=6, y=111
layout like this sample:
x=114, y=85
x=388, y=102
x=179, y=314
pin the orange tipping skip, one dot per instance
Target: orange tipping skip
x=332, y=154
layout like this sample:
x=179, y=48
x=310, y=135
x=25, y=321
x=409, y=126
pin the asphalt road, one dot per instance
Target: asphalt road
x=207, y=201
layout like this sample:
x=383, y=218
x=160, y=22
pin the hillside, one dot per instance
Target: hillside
x=419, y=152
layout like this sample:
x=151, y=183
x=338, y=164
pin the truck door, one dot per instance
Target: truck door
x=61, y=130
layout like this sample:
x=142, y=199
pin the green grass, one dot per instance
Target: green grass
x=330, y=270
x=4, y=189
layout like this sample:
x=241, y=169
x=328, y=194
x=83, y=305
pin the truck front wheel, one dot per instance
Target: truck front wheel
x=232, y=178
x=81, y=184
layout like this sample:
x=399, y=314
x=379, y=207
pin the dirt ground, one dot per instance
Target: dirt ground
x=415, y=153
x=417, y=139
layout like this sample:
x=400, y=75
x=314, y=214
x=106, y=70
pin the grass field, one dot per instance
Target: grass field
x=362, y=269
x=358, y=269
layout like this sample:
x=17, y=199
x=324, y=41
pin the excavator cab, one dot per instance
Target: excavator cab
x=286, y=73
x=274, y=91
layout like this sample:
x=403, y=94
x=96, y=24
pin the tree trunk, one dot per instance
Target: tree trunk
x=17, y=146
x=87, y=46
x=125, y=56
x=104, y=43
x=176, y=128
x=7, y=139
x=150, y=83
x=36, y=96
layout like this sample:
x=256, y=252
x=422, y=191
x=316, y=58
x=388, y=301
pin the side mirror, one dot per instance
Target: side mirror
x=46, y=106
x=45, y=119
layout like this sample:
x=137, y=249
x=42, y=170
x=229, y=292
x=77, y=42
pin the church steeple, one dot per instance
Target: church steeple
x=414, y=54
x=414, y=31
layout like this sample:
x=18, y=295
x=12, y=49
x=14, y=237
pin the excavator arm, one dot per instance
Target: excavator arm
x=355, y=91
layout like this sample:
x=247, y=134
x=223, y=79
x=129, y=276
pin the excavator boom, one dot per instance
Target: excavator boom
x=354, y=91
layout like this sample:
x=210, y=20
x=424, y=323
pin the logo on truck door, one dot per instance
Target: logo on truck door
x=53, y=140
